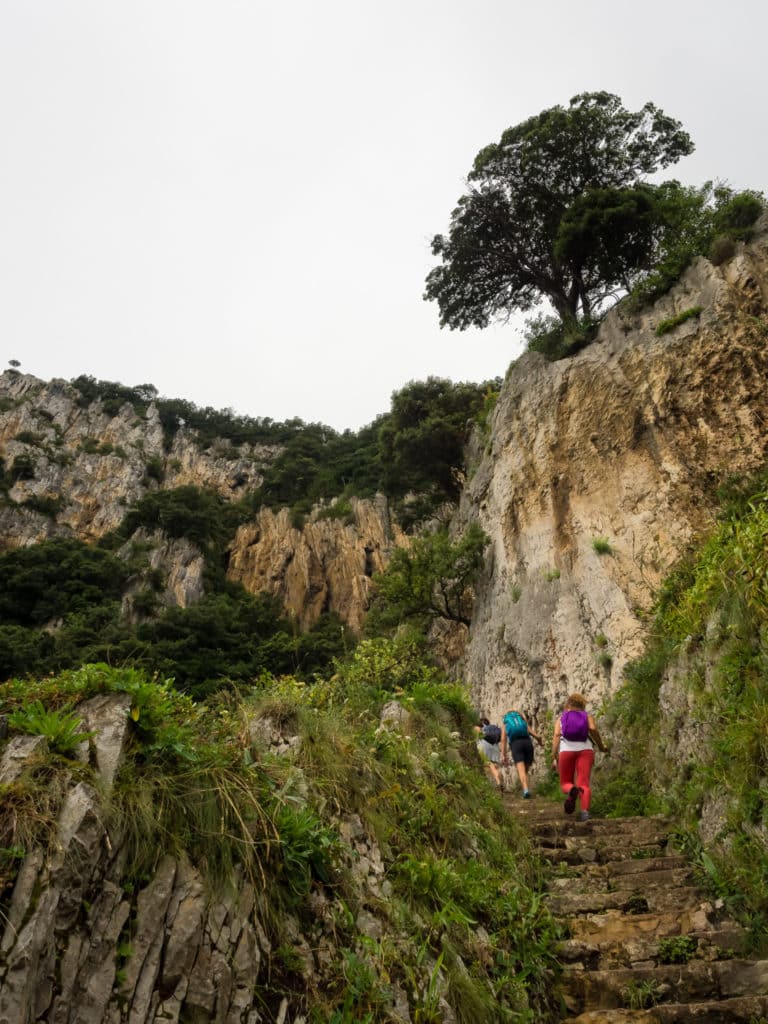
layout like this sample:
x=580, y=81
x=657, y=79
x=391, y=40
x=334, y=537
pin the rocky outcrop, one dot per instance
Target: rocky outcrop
x=599, y=470
x=73, y=469
x=83, y=941
x=94, y=464
x=326, y=566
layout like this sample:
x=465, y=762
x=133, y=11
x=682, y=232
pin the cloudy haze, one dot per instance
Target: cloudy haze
x=234, y=200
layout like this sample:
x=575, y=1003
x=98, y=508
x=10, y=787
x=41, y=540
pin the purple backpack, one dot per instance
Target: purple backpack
x=574, y=725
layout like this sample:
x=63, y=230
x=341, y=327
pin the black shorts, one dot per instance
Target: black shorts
x=522, y=750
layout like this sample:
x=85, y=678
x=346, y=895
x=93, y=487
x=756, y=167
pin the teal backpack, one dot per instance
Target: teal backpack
x=514, y=723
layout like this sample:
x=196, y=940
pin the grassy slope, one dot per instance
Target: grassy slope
x=463, y=917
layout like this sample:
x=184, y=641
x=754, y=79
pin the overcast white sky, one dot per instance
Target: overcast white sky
x=234, y=200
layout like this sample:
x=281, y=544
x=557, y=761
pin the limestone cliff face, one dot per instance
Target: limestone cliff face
x=324, y=567
x=623, y=444
x=96, y=464
x=92, y=466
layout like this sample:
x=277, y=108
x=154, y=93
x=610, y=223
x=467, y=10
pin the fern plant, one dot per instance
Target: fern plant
x=61, y=729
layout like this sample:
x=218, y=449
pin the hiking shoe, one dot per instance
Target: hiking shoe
x=583, y=815
x=570, y=800
x=526, y=795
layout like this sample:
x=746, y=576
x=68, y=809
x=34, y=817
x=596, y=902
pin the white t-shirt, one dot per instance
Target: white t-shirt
x=575, y=744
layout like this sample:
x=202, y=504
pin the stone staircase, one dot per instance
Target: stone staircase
x=644, y=943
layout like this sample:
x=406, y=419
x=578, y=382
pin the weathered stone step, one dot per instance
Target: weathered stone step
x=695, y=981
x=615, y=926
x=610, y=826
x=604, y=882
x=588, y=853
x=550, y=834
x=644, y=951
x=631, y=866
x=741, y=1010
x=636, y=900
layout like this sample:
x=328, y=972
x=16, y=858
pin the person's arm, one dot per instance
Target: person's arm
x=534, y=735
x=594, y=735
x=556, y=741
x=503, y=745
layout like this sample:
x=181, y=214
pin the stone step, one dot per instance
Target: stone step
x=632, y=866
x=614, y=926
x=580, y=853
x=695, y=981
x=644, y=951
x=741, y=1010
x=637, y=900
x=559, y=832
x=600, y=881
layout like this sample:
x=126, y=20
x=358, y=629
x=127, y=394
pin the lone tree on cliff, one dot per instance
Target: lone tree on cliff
x=557, y=209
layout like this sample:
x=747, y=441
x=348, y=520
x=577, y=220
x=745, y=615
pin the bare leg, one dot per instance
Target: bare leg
x=522, y=772
x=495, y=773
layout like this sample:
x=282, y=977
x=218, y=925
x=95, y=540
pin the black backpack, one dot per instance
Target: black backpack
x=492, y=734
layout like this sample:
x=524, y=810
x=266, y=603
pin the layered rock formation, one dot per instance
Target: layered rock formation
x=324, y=567
x=83, y=941
x=599, y=471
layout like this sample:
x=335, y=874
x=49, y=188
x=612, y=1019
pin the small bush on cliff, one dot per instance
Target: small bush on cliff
x=555, y=339
x=665, y=326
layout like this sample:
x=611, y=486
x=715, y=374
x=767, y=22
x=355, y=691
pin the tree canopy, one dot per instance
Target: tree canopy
x=558, y=209
x=432, y=579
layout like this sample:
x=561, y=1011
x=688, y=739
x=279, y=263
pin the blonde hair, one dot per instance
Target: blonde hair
x=577, y=701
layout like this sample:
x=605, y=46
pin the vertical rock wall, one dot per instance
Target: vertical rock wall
x=624, y=443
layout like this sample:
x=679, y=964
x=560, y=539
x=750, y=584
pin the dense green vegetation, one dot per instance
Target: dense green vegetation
x=432, y=579
x=710, y=633
x=690, y=222
x=196, y=782
x=60, y=604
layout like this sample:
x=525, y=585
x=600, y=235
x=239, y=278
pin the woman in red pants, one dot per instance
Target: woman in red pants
x=573, y=753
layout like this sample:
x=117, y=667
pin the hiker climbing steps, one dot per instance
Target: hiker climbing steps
x=644, y=943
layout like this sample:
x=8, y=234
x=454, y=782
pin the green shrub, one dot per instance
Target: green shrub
x=722, y=249
x=22, y=468
x=555, y=340
x=641, y=995
x=552, y=574
x=28, y=437
x=45, y=505
x=677, y=949
x=602, y=546
x=341, y=509
x=665, y=326
x=154, y=470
